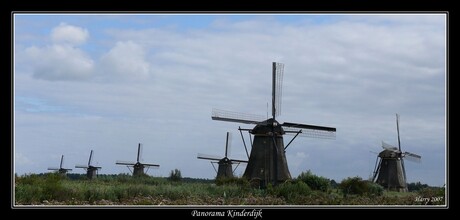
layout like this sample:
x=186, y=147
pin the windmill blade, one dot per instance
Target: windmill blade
x=150, y=165
x=373, y=152
x=412, y=157
x=90, y=158
x=228, y=144
x=208, y=157
x=120, y=162
x=139, y=152
x=311, y=127
x=82, y=166
x=223, y=115
x=397, y=128
x=278, y=70
x=67, y=169
x=239, y=161
x=310, y=133
x=95, y=167
x=389, y=147
x=62, y=161
x=53, y=168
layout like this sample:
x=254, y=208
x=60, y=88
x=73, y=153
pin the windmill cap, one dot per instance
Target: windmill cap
x=266, y=127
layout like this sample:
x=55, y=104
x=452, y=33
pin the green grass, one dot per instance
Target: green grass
x=53, y=189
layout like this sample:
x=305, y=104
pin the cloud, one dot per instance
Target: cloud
x=62, y=60
x=59, y=62
x=22, y=160
x=127, y=60
x=300, y=155
x=69, y=34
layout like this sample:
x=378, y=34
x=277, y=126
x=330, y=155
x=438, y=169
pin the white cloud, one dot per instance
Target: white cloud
x=22, y=160
x=301, y=155
x=125, y=59
x=69, y=34
x=59, y=62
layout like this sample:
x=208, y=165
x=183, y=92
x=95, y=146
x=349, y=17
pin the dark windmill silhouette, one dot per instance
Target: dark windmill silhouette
x=60, y=170
x=267, y=162
x=390, y=171
x=138, y=167
x=91, y=171
x=225, y=164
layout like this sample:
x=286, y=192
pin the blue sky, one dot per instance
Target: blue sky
x=107, y=82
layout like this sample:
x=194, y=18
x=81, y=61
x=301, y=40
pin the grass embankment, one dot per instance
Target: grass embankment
x=53, y=189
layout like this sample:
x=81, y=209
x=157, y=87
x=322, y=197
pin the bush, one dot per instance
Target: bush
x=354, y=185
x=315, y=182
x=358, y=186
x=430, y=192
x=374, y=189
x=290, y=190
x=175, y=175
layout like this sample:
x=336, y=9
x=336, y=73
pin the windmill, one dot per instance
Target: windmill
x=267, y=162
x=138, y=167
x=390, y=172
x=60, y=170
x=225, y=163
x=91, y=171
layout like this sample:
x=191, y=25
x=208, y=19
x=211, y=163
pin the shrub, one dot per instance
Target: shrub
x=315, y=182
x=430, y=192
x=354, y=185
x=374, y=189
x=289, y=190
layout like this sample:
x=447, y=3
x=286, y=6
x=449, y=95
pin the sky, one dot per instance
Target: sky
x=106, y=82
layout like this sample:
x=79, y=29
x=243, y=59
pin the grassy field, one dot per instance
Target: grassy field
x=53, y=189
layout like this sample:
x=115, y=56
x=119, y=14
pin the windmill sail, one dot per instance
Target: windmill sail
x=150, y=165
x=278, y=70
x=412, y=157
x=90, y=158
x=223, y=115
x=62, y=161
x=208, y=157
x=238, y=161
x=388, y=147
x=121, y=162
x=81, y=166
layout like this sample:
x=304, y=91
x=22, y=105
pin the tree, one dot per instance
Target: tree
x=175, y=175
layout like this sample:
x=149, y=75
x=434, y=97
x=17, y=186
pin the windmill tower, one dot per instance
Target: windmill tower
x=390, y=172
x=60, y=170
x=225, y=164
x=91, y=171
x=267, y=162
x=138, y=167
